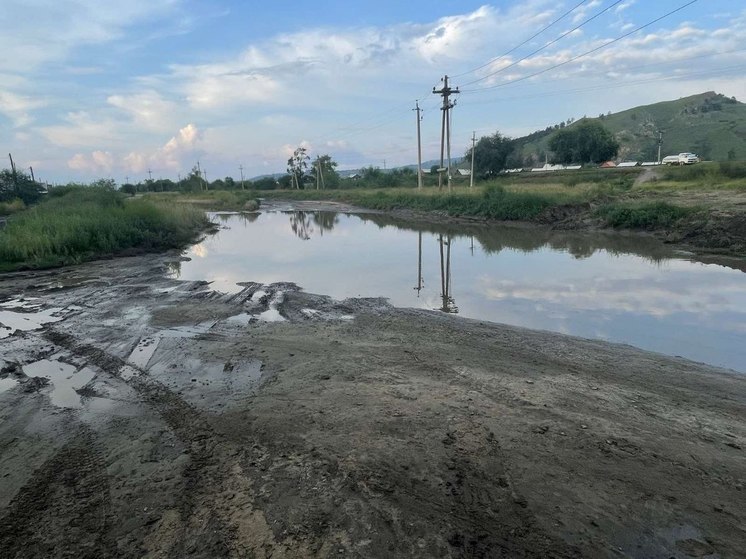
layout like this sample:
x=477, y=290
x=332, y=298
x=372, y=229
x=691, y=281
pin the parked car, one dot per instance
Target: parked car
x=681, y=159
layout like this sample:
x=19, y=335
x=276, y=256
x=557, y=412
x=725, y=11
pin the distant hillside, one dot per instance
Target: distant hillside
x=709, y=124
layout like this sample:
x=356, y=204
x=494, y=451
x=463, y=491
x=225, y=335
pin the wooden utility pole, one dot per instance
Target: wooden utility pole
x=445, y=134
x=419, y=264
x=13, y=170
x=660, y=144
x=201, y=180
x=240, y=167
x=473, y=149
x=419, y=146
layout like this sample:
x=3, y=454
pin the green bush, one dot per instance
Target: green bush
x=85, y=223
x=733, y=169
x=650, y=216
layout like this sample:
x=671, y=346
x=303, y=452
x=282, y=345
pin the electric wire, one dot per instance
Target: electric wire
x=515, y=48
x=549, y=44
x=579, y=56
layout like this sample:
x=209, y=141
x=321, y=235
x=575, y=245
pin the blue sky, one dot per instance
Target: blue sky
x=94, y=89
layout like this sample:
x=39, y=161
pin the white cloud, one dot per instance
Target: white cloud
x=83, y=129
x=148, y=109
x=94, y=163
x=18, y=107
x=49, y=30
x=174, y=155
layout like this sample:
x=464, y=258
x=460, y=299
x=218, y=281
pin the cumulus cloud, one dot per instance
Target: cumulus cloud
x=93, y=163
x=173, y=155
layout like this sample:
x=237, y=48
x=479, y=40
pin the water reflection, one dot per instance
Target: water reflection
x=620, y=288
x=302, y=223
x=420, y=283
x=448, y=304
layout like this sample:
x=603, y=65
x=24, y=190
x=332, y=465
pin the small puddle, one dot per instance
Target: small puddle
x=65, y=380
x=7, y=383
x=144, y=350
x=10, y=321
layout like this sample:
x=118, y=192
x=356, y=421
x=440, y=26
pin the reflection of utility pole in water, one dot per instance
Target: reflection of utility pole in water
x=449, y=305
x=419, y=265
x=472, y=244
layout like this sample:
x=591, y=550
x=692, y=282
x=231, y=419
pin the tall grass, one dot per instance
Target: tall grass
x=12, y=206
x=491, y=202
x=85, y=223
x=648, y=216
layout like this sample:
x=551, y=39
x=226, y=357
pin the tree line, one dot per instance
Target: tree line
x=585, y=142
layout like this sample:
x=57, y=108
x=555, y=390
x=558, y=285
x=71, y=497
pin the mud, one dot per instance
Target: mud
x=276, y=423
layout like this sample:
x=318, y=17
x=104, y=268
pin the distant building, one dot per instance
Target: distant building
x=608, y=165
x=628, y=164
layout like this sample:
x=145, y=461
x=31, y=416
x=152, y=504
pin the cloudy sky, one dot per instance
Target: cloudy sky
x=94, y=89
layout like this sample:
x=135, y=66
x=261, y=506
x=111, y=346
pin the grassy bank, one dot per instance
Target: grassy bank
x=81, y=224
x=490, y=202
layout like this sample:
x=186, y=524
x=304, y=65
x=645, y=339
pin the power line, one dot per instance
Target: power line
x=531, y=38
x=599, y=87
x=639, y=66
x=549, y=44
x=596, y=49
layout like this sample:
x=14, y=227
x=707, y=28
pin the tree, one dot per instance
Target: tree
x=265, y=183
x=19, y=185
x=491, y=154
x=328, y=169
x=297, y=167
x=586, y=142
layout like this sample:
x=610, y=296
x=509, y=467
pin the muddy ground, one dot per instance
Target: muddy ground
x=180, y=422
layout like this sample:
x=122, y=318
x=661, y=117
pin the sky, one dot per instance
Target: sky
x=92, y=89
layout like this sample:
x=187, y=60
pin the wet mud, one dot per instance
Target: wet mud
x=142, y=416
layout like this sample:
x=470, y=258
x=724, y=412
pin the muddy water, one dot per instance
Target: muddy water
x=616, y=288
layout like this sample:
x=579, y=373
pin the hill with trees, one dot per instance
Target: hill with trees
x=709, y=124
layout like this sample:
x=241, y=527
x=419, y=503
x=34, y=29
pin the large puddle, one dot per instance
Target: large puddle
x=612, y=287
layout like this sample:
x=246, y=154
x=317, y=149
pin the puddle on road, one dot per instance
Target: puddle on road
x=611, y=287
x=7, y=383
x=144, y=350
x=272, y=314
x=10, y=321
x=64, y=378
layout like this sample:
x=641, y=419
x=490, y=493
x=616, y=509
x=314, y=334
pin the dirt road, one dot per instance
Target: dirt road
x=179, y=422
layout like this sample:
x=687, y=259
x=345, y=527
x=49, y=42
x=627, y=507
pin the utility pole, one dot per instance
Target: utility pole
x=318, y=170
x=15, y=176
x=242, y=185
x=473, y=149
x=321, y=174
x=419, y=146
x=445, y=134
x=419, y=264
x=150, y=175
x=201, y=180
x=660, y=144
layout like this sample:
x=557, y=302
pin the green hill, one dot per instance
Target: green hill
x=709, y=124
